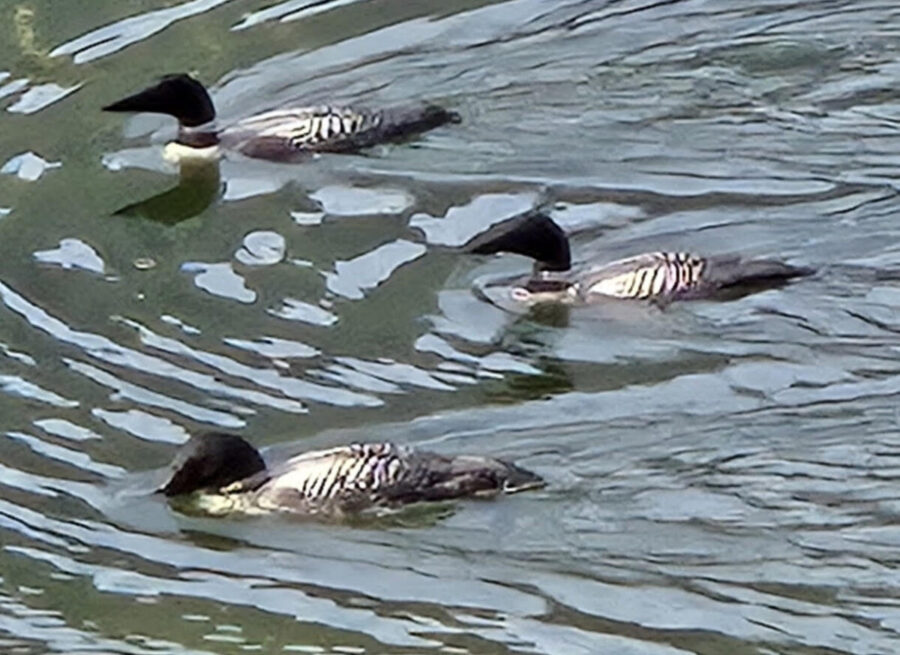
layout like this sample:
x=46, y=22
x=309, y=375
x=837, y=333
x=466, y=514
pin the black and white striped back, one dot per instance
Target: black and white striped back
x=338, y=474
x=311, y=127
x=291, y=133
x=357, y=476
x=646, y=276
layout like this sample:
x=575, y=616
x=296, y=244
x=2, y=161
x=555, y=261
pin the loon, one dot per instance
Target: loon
x=659, y=277
x=280, y=135
x=225, y=474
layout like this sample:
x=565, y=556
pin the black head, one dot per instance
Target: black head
x=178, y=95
x=212, y=461
x=534, y=235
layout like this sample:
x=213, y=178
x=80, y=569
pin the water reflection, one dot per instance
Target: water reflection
x=199, y=186
x=722, y=476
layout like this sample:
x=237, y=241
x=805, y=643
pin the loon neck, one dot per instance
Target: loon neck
x=547, y=287
x=199, y=143
x=202, y=136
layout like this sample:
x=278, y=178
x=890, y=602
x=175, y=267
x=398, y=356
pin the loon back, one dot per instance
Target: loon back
x=351, y=478
x=282, y=135
x=681, y=276
x=291, y=134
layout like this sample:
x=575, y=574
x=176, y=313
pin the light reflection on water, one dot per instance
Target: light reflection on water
x=721, y=475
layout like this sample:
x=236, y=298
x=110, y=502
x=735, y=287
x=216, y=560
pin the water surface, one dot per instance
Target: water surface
x=722, y=476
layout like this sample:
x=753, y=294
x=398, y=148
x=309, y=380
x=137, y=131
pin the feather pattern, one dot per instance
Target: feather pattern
x=650, y=275
x=346, y=470
x=311, y=127
x=287, y=134
x=231, y=476
x=356, y=476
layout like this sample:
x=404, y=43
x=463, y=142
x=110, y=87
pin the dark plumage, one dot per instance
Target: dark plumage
x=212, y=461
x=284, y=134
x=180, y=96
x=533, y=234
x=232, y=477
x=657, y=276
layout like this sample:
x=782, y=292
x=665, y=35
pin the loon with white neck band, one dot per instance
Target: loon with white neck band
x=289, y=134
x=658, y=276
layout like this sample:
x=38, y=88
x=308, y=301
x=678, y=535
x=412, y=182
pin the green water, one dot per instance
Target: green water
x=721, y=476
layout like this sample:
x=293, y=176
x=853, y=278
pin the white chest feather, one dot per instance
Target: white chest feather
x=177, y=153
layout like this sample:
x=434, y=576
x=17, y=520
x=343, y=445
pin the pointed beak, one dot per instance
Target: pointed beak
x=142, y=101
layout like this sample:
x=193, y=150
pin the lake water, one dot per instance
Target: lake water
x=722, y=477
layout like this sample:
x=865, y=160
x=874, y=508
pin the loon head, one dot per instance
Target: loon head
x=211, y=461
x=533, y=235
x=178, y=95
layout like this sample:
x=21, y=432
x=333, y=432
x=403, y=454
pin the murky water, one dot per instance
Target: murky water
x=723, y=477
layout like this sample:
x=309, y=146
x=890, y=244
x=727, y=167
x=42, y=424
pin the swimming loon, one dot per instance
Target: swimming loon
x=231, y=476
x=281, y=135
x=656, y=276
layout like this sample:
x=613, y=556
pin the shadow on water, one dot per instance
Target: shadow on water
x=199, y=185
x=721, y=475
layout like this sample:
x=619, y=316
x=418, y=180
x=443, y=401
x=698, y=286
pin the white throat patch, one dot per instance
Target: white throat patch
x=175, y=153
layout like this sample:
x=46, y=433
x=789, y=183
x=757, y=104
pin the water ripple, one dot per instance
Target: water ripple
x=721, y=476
x=108, y=351
x=111, y=38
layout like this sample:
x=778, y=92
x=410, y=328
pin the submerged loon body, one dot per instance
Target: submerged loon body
x=228, y=475
x=281, y=135
x=655, y=276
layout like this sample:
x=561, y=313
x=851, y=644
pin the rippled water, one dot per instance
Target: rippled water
x=723, y=477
